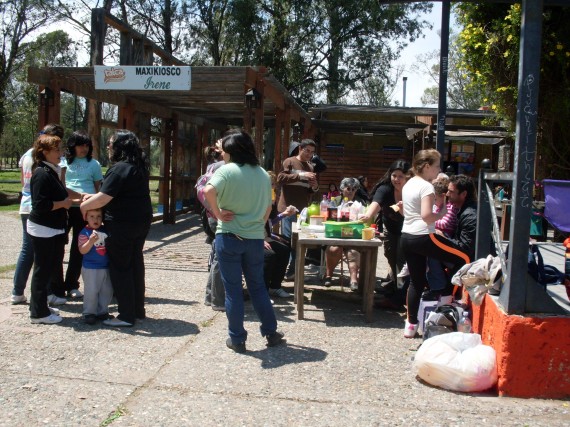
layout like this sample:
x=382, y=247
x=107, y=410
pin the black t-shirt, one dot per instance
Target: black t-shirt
x=128, y=185
x=392, y=220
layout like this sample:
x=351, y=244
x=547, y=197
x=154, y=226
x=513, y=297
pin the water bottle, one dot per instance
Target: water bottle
x=464, y=324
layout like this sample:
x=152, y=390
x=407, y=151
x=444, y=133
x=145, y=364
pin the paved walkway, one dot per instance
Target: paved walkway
x=173, y=368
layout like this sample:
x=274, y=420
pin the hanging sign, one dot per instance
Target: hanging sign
x=142, y=77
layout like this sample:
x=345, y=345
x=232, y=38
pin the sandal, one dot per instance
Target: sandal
x=327, y=281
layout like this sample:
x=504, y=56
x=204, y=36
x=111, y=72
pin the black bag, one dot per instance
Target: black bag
x=442, y=320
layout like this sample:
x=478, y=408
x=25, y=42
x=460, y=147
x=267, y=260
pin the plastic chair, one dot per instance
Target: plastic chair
x=557, y=203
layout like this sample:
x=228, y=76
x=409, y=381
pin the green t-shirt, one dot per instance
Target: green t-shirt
x=246, y=191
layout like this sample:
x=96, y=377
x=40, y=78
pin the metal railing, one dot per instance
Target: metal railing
x=520, y=293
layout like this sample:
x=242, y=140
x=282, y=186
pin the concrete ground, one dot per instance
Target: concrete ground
x=174, y=369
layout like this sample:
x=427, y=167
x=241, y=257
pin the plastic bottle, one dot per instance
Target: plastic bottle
x=324, y=206
x=464, y=324
x=344, y=211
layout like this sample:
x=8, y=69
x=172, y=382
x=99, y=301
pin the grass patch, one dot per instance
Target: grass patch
x=10, y=208
x=5, y=268
x=12, y=188
x=118, y=413
x=207, y=323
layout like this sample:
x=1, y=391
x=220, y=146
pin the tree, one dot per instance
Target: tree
x=490, y=41
x=21, y=98
x=462, y=93
x=19, y=20
x=376, y=91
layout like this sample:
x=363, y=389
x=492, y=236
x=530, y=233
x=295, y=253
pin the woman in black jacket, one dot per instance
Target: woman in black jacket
x=46, y=224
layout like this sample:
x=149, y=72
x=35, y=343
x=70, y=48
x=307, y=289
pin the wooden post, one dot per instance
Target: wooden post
x=278, y=158
x=171, y=135
x=259, y=124
x=98, y=30
x=286, y=134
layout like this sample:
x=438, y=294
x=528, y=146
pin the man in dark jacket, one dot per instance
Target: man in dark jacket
x=461, y=193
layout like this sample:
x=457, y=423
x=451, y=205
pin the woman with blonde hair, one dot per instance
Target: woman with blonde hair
x=418, y=232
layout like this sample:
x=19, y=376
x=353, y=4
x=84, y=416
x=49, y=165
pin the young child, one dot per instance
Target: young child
x=98, y=291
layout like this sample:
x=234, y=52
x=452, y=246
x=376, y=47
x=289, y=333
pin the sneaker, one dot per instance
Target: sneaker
x=18, y=299
x=404, y=272
x=75, y=293
x=275, y=338
x=218, y=307
x=90, y=319
x=104, y=316
x=354, y=286
x=55, y=300
x=410, y=329
x=48, y=320
x=238, y=348
x=281, y=293
x=327, y=282
x=54, y=310
x=289, y=276
x=116, y=322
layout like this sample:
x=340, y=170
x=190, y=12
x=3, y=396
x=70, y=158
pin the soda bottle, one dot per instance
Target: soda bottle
x=324, y=206
x=464, y=324
x=344, y=210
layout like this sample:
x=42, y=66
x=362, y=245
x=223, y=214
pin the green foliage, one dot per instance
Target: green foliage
x=21, y=98
x=317, y=49
x=490, y=44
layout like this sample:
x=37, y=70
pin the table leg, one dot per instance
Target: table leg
x=368, y=297
x=300, y=279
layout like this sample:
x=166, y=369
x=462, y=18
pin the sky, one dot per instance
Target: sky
x=416, y=82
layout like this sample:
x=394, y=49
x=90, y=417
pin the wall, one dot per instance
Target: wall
x=533, y=353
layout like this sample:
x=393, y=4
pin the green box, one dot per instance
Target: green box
x=344, y=230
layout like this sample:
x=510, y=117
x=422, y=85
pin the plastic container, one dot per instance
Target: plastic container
x=316, y=220
x=344, y=230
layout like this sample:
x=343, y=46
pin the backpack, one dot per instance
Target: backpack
x=442, y=320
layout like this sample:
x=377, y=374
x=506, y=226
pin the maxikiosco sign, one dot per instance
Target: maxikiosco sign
x=142, y=77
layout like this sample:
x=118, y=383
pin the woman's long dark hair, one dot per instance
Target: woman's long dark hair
x=126, y=148
x=78, y=137
x=398, y=165
x=241, y=149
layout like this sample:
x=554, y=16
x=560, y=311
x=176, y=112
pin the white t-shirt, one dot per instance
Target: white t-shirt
x=412, y=194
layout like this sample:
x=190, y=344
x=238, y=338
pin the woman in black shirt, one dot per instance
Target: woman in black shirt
x=387, y=200
x=128, y=215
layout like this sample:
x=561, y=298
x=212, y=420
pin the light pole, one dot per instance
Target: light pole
x=405, y=79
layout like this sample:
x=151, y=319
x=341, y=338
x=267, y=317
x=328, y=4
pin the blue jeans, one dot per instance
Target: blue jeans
x=25, y=260
x=237, y=256
x=286, y=230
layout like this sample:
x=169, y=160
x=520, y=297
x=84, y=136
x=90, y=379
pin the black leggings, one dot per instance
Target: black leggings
x=416, y=249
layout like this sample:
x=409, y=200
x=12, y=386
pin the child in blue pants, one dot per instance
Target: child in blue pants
x=98, y=290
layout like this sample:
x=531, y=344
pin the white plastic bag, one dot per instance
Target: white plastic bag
x=457, y=361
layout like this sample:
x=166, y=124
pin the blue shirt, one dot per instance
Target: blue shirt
x=97, y=257
x=81, y=175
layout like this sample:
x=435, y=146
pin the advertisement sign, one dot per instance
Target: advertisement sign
x=142, y=77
